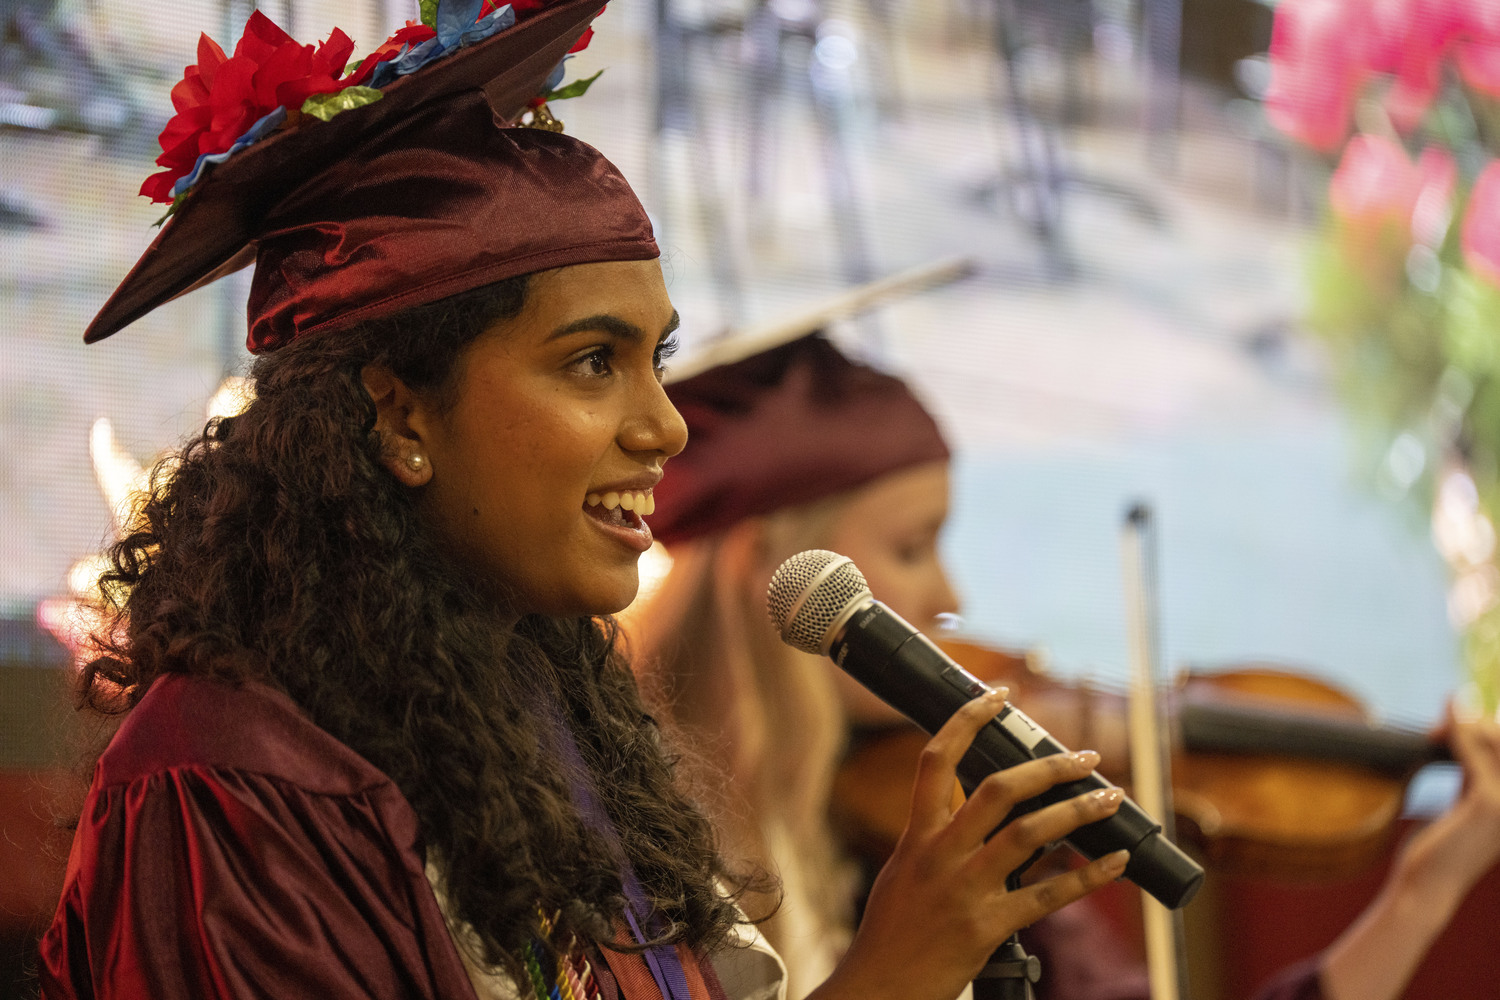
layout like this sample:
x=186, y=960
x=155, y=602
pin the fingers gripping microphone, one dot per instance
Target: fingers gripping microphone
x=820, y=603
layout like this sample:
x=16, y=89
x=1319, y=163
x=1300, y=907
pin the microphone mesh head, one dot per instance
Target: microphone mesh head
x=809, y=592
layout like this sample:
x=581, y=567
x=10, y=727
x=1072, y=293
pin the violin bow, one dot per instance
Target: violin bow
x=1151, y=785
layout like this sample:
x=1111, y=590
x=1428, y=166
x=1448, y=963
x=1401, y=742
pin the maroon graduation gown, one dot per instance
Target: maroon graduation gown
x=231, y=848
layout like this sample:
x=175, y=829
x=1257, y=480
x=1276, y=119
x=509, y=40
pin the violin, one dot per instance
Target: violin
x=1273, y=773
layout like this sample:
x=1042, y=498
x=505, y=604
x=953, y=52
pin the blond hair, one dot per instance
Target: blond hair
x=767, y=718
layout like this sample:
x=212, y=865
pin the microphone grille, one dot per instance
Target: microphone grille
x=808, y=593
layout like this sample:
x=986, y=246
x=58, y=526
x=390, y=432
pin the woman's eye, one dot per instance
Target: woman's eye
x=595, y=363
x=914, y=551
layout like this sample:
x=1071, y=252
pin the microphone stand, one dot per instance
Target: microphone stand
x=1010, y=972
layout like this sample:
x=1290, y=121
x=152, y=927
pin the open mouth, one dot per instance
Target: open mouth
x=621, y=510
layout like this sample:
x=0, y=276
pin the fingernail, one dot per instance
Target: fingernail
x=1108, y=796
x=998, y=694
x=1087, y=758
x=1116, y=862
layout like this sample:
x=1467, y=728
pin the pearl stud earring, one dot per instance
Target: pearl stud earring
x=416, y=461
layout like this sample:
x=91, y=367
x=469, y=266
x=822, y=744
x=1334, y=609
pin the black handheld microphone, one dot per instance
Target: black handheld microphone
x=820, y=603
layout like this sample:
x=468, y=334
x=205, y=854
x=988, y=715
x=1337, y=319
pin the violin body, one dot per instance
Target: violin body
x=1273, y=773
x=1317, y=798
x=1282, y=786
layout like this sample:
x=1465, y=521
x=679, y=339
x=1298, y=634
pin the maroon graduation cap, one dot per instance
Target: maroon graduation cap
x=789, y=425
x=778, y=416
x=427, y=192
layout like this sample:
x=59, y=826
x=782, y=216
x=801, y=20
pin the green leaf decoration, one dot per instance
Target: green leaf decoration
x=429, y=12
x=172, y=209
x=575, y=89
x=325, y=106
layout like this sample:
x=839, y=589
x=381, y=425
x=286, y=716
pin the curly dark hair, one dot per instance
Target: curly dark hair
x=277, y=547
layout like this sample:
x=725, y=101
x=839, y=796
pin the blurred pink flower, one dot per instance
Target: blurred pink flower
x=1324, y=51
x=1415, y=37
x=1481, y=19
x=1318, y=63
x=1379, y=194
x=1479, y=65
x=1382, y=201
x=1437, y=175
x=1376, y=184
x=1478, y=53
x=1481, y=232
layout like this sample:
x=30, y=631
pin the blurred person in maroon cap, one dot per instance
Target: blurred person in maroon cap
x=792, y=448
x=378, y=738
x=798, y=447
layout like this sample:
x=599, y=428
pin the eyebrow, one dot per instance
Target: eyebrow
x=614, y=326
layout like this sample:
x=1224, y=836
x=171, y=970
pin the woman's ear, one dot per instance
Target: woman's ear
x=401, y=446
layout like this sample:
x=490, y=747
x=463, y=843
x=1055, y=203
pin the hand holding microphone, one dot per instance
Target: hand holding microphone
x=941, y=906
x=819, y=603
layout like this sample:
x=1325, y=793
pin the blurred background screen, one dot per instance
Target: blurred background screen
x=1131, y=329
x=1185, y=288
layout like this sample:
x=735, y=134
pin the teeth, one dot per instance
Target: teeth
x=640, y=501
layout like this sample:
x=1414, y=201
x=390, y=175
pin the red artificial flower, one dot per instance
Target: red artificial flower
x=525, y=8
x=220, y=98
x=1481, y=231
x=414, y=34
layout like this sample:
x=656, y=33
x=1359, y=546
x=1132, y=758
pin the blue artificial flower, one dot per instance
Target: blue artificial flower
x=263, y=126
x=450, y=37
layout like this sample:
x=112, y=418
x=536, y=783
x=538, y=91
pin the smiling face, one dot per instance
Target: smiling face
x=560, y=406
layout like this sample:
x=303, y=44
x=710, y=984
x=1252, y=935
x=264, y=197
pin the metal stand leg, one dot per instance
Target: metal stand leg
x=765, y=33
x=1010, y=973
x=1163, y=44
x=677, y=110
x=1038, y=178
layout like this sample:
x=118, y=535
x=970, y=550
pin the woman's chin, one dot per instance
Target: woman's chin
x=573, y=589
x=604, y=594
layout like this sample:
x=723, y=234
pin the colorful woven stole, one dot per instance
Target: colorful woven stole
x=664, y=963
x=573, y=978
x=634, y=977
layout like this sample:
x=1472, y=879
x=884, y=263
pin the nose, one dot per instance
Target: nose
x=944, y=599
x=655, y=425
